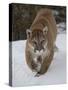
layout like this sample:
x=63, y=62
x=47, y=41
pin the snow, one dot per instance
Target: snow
x=23, y=76
x=61, y=27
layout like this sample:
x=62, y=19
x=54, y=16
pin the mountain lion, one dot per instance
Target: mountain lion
x=41, y=41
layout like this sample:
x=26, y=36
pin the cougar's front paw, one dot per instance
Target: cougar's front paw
x=37, y=75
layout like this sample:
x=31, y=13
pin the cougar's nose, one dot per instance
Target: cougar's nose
x=40, y=48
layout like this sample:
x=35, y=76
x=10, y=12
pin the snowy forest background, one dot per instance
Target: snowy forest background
x=22, y=16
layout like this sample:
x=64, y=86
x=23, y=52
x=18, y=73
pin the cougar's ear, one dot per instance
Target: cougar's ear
x=28, y=32
x=45, y=29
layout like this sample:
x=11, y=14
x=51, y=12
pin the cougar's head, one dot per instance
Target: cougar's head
x=37, y=39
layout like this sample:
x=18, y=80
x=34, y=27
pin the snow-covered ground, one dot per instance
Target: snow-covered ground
x=22, y=75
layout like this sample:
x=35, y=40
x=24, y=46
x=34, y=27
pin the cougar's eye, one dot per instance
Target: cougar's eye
x=42, y=41
x=35, y=42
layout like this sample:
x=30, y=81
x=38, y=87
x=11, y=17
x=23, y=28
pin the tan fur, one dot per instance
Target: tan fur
x=44, y=18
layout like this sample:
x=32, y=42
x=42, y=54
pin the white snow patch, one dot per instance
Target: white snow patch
x=22, y=75
x=61, y=27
